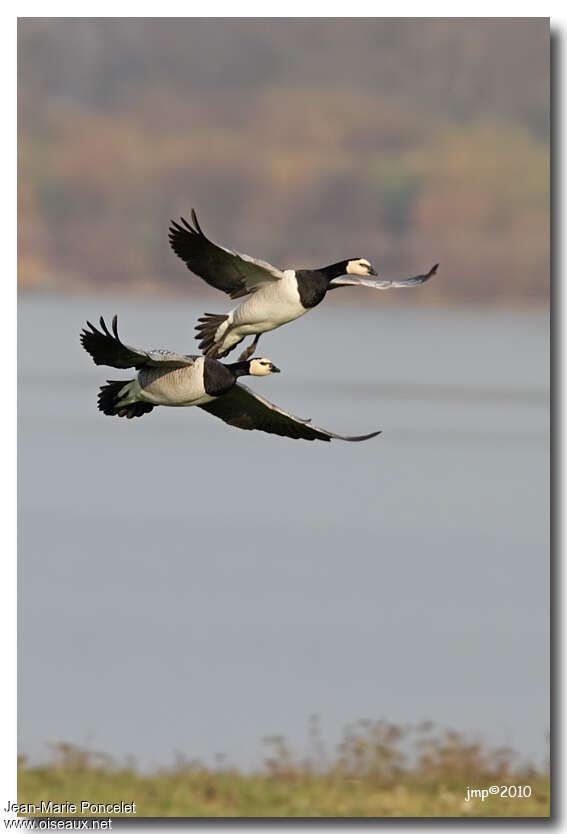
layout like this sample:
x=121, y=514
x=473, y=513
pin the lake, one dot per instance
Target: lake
x=188, y=586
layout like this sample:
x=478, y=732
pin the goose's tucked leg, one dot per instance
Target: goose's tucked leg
x=246, y=354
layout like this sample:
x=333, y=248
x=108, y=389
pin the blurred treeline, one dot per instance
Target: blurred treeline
x=302, y=141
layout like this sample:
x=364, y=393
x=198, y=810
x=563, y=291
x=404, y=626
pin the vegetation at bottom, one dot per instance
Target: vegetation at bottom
x=377, y=770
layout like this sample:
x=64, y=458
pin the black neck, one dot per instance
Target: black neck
x=238, y=368
x=334, y=270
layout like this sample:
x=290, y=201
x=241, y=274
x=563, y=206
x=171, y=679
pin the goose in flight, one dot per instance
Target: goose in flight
x=167, y=378
x=275, y=296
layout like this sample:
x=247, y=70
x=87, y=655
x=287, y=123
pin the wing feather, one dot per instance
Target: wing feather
x=232, y=272
x=245, y=409
x=380, y=283
x=107, y=349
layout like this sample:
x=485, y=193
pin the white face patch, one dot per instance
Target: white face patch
x=260, y=367
x=359, y=267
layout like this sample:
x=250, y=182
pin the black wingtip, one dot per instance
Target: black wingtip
x=195, y=221
x=188, y=226
x=104, y=327
x=363, y=436
x=433, y=270
x=353, y=438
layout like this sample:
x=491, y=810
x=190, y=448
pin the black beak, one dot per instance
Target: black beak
x=372, y=271
x=274, y=370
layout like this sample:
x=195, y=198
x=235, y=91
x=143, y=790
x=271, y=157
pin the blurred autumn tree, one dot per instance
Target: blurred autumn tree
x=302, y=141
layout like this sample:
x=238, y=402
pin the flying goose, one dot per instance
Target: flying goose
x=275, y=297
x=167, y=378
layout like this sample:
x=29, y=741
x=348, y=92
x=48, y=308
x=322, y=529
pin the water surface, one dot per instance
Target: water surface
x=187, y=586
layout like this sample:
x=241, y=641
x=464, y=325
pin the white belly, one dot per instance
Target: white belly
x=268, y=308
x=174, y=387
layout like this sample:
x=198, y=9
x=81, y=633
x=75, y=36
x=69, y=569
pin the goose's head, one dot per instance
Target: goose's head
x=261, y=367
x=360, y=266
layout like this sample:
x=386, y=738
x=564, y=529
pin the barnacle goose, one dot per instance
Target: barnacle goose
x=166, y=378
x=275, y=297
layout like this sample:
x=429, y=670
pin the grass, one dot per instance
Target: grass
x=377, y=770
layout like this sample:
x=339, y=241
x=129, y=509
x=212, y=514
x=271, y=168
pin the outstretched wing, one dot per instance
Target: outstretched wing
x=245, y=409
x=380, y=283
x=107, y=349
x=229, y=271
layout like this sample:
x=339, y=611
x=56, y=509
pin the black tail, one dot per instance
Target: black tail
x=108, y=396
x=210, y=323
